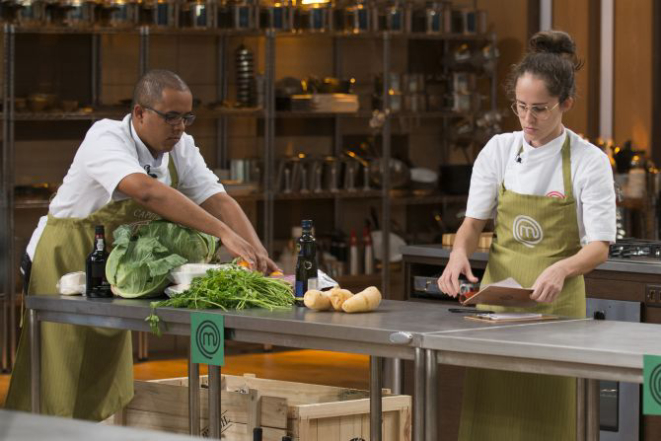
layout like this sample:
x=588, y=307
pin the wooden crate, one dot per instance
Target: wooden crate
x=306, y=412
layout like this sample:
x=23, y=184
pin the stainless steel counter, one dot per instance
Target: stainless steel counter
x=21, y=426
x=393, y=331
x=620, y=265
x=587, y=349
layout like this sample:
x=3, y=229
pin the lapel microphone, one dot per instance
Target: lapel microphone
x=148, y=170
x=518, y=158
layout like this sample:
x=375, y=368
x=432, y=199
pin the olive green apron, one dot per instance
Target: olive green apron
x=87, y=373
x=532, y=233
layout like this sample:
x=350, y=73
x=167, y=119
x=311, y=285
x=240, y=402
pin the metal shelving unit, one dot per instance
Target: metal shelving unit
x=268, y=114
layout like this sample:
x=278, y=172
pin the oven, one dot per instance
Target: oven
x=619, y=403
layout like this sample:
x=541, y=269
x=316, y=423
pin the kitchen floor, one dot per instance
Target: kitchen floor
x=316, y=367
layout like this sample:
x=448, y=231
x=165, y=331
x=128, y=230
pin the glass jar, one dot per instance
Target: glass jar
x=73, y=13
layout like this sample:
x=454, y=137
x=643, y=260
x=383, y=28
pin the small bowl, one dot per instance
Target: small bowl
x=37, y=103
x=69, y=105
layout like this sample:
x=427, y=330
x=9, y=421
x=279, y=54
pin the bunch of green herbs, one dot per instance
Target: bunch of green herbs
x=231, y=287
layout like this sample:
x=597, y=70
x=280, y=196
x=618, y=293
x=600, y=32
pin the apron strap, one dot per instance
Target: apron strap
x=566, y=169
x=174, y=175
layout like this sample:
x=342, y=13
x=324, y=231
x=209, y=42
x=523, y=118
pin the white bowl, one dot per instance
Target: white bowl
x=184, y=274
x=175, y=289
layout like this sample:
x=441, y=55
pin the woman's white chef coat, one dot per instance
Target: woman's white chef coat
x=538, y=171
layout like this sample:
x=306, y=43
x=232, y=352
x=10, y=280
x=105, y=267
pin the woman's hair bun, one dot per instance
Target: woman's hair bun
x=555, y=42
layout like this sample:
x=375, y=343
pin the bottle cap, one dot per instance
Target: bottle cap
x=99, y=229
x=306, y=224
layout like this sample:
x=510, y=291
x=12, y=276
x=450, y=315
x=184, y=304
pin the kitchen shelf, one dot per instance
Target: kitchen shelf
x=403, y=199
x=28, y=204
x=427, y=200
x=158, y=30
x=369, y=113
x=119, y=112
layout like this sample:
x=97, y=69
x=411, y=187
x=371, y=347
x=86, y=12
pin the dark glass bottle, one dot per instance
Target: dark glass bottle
x=95, y=267
x=257, y=434
x=306, y=264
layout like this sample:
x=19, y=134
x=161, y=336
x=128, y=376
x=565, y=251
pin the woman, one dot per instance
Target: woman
x=553, y=199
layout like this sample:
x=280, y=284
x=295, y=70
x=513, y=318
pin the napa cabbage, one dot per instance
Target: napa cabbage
x=143, y=255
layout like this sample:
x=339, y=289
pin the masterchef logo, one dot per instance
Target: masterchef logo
x=527, y=231
x=555, y=194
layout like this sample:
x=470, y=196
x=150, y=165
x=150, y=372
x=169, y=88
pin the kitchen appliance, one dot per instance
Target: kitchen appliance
x=619, y=403
x=635, y=249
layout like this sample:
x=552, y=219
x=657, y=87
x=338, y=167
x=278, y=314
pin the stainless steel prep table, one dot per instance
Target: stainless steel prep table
x=21, y=426
x=392, y=331
x=587, y=349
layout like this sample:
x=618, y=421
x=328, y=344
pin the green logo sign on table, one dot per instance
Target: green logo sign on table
x=651, y=385
x=207, y=339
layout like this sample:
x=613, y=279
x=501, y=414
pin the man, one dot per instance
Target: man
x=143, y=167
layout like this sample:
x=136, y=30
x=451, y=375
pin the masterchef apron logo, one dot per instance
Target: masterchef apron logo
x=527, y=231
x=145, y=215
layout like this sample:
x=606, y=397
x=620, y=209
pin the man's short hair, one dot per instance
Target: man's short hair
x=149, y=89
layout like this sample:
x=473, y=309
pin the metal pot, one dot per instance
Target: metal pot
x=119, y=13
x=360, y=18
x=277, y=16
x=31, y=13
x=396, y=18
x=160, y=13
x=198, y=14
x=74, y=13
x=316, y=17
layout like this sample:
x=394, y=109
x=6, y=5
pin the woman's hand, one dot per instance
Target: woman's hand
x=449, y=280
x=548, y=285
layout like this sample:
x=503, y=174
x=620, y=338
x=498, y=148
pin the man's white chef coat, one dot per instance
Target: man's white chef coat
x=538, y=171
x=111, y=151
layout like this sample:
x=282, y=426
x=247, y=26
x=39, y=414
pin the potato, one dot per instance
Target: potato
x=338, y=296
x=366, y=300
x=317, y=300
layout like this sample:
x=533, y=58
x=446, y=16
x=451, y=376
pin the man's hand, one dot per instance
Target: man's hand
x=549, y=284
x=238, y=247
x=449, y=280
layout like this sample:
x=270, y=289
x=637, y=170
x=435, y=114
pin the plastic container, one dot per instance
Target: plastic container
x=184, y=274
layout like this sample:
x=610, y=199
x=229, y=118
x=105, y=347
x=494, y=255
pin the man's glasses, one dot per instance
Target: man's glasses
x=174, y=118
x=540, y=113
